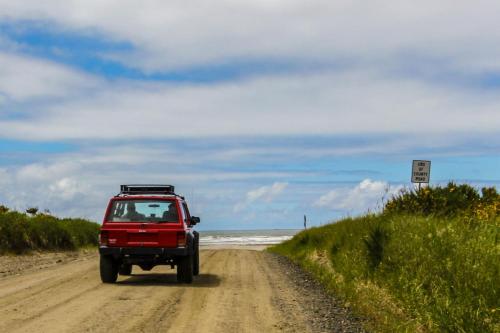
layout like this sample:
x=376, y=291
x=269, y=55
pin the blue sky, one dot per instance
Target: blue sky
x=259, y=112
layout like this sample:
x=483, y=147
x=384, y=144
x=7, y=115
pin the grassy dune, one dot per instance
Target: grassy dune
x=22, y=233
x=411, y=269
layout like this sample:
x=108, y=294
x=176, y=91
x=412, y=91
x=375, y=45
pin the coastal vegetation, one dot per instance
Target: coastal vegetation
x=429, y=262
x=24, y=232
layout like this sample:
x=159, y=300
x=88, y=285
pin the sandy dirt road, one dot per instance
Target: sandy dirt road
x=237, y=291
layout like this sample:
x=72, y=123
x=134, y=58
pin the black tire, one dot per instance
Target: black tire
x=109, y=269
x=125, y=269
x=196, y=261
x=185, y=269
x=180, y=273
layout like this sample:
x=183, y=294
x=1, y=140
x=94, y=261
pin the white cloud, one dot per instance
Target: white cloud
x=4, y=177
x=369, y=94
x=67, y=188
x=43, y=172
x=172, y=34
x=319, y=104
x=374, y=50
x=368, y=194
x=80, y=183
x=23, y=78
x=264, y=193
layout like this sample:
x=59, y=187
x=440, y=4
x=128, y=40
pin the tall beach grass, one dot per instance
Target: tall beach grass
x=415, y=267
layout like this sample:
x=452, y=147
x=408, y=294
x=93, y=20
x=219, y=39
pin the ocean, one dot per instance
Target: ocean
x=246, y=237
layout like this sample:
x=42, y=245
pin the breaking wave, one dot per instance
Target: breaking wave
x=254, y=237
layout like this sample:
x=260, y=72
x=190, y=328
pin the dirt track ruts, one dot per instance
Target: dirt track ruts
x=237, y=291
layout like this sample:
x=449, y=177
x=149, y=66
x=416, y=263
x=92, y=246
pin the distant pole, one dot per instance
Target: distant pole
x=305, y=222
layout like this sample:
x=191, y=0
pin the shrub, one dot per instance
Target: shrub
x=20, y=233
x=450, y=201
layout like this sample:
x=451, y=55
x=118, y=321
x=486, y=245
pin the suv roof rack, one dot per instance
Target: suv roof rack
x=147, y=189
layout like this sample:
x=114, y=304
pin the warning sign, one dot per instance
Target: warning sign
x=421, y=171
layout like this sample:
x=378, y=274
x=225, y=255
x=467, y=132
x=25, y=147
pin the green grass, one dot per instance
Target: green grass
x=408, y=272
x=21, y=233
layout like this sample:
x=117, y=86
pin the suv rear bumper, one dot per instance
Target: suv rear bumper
x=118, y=252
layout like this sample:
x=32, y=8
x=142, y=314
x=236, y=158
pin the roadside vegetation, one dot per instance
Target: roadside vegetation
x=24, y=232
x=430, y=262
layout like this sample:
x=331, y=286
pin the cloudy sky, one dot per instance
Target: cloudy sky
x=258, y=111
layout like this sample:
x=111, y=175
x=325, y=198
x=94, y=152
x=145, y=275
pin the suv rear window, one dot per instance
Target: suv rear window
x=143, y=211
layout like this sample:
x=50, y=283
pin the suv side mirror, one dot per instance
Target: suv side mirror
x=195, y=220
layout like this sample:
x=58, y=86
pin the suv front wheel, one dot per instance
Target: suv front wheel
x=109, y=269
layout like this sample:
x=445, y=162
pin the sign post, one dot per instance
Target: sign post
x=420, y=172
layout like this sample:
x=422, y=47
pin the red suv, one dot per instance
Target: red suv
x=148, y=225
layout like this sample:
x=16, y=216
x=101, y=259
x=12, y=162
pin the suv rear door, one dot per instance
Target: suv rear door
x=142, y=228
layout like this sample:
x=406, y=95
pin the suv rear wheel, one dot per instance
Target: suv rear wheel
x=196, y=261
x=185, y=269
x=109, y=269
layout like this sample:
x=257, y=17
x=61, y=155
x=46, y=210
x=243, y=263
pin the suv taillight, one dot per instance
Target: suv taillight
x=181, y=239
x=103, y=237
